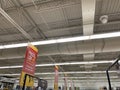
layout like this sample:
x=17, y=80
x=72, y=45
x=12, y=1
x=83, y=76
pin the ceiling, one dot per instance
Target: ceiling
x=36, y=20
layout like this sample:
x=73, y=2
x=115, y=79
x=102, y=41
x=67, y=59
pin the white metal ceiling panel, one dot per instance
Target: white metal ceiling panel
x=36, y=16
x=107, y=28
x=57, y=33
x=4, y=23
x=18, y=17
x=53, y=15
x=73, y=11
x=6, y=4
x=110, y=6
x=26, y=1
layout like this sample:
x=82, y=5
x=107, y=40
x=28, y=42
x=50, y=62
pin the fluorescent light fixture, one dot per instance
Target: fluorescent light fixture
x=80, y=77
x=72, y=72
x=63, y=40
x=48, y=73
x=86, y=72
x=77, y=63
x=89, y=77
x=13, y=45
x=5, y=67
x=17, y=74
x=86, y=81
x=16, y=45
x=72, y=39
x=44, y=42
x=61, y=64
x=105, y=35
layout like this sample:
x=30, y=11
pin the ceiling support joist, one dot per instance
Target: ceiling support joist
x=18, y=4
x=88, y=13
x=15, y=24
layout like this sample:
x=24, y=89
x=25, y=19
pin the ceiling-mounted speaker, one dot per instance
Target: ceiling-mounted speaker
x=104, y=19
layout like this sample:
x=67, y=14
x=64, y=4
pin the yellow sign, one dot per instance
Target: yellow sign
x=56, y=67
x=29, y=80
x=55, y=86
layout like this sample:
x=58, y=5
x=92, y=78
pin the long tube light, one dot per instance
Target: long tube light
x=81, y=77
x=61, y=64
x=71, y=72
x=76, y=72
x=62, y=40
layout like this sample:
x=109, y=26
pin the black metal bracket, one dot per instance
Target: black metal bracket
x=24, y=83
x=23, y=88
x=107, y=71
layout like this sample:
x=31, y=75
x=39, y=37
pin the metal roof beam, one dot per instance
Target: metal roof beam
x=17, y=3
x=15, y=24
x=88, y=13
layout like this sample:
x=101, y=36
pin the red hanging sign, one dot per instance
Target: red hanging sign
x=65, y=82
x=30, y=60
x=29, y=65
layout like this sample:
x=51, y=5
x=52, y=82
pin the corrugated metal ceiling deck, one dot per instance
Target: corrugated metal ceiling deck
x=56, y=19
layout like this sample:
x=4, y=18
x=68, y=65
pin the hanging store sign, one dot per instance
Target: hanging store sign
x=56, y=78
x=29, y=65
x=65, y=81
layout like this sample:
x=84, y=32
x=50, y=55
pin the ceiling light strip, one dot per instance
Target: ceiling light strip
x=91, y=77
x=62, y=64
x=63, y=40
x=72, y=72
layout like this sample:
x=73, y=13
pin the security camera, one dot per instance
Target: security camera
x=104, y=19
